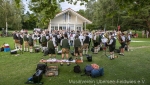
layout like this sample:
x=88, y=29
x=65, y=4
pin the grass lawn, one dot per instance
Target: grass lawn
x=131, y=69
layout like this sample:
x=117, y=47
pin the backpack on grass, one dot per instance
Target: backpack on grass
x=77, y=69
x=41, y=67
x=89, y=58
x=97, y=72
x=90, y=71
x=87, y=70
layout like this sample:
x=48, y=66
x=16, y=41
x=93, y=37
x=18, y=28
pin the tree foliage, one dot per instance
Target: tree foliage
x=10, y=14
x=47, y=9
x=29, y=21
x=129, y=14
x=81, y=12
x=132, y=6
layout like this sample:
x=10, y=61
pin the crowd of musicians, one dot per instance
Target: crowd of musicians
x=81, y=41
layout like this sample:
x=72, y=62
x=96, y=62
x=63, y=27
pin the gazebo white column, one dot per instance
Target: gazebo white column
x=76, y=24
x=58, y=26
x=66, y=25
x=68, y=21
x=74, y=27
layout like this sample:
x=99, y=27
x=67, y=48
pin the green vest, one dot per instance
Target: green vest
x=25, y=38
x=50, y=44
x=44, y=39
x=65, y=43
x=77, y=43
x=30, y=39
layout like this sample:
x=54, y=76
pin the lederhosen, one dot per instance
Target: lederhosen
x=86, y=42
x=65, y=46
x=16, y=38
x=96, y=42
x=25, y=40
x=77, y=46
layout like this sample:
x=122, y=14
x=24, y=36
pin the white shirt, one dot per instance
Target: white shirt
x=71, y=37
x=104, y=40
x=53, y=38
x=129, y=38
x=81, y=37
x=47, y=37
x=123, y=38
x=111, y=41
x=94, y=37
x=90, y=35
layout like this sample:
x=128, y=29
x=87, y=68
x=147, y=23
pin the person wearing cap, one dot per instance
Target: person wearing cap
x=112, y=45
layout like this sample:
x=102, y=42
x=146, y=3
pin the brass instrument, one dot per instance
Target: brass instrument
x=119, y=37
x=106, y=35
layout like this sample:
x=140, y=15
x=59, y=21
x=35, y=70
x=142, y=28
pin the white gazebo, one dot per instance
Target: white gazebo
x=68, y=20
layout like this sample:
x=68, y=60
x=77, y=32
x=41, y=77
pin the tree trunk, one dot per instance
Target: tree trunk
x=148, y=24
x=6, y=26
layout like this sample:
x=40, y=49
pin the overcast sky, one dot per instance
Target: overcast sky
x=76, y=7
x=64, y=6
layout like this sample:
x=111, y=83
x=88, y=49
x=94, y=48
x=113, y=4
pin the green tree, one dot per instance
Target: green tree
x=101, y=13
x=81, y=12
x=10, y=15
x=138, y=11
x=91, y=27
x=90, y=10
x=47, y=9
x=44, y=10
x=132, y=6
x=29, y=21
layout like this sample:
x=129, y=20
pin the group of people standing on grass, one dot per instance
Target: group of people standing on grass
x=81, y=41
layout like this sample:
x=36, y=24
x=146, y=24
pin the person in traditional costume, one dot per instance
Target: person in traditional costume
x=77, y=44
x=65, y=45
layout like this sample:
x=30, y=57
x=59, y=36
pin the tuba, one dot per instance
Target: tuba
x=119, y=37
x=107, y=36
